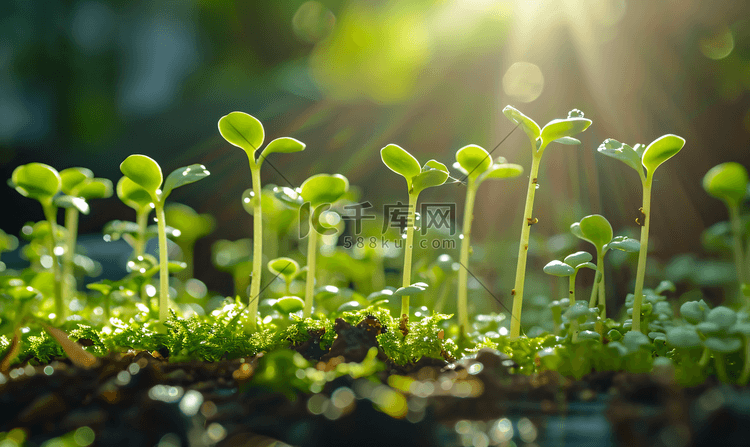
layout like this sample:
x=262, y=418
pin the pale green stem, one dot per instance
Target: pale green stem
x=745, y=376
x=572, y=286
x=734, y=218
x=705, y=356
x=257, y=248
x=140, y=241
x=312, y=251
x=163, y=263
x=407, y=255
x=603, y=296
x=641, y=272
x=463, y=312
x=574, y=330
x=71, y=225
x=594, y=289
x=721, y=369
x=523, y=248
x=50, y=215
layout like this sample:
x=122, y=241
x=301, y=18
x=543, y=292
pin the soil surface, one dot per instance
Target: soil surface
x=143, y=399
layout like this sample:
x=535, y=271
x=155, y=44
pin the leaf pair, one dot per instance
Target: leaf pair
x=79, y=186
x=570, y=265
x=146, y=173
x=398, y=160
x=36, y=181
x=247, y=133
x=597, y=230
x=476, y=163
x=650, y=157
x=558, y=130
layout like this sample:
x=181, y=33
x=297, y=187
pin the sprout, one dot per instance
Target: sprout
x=561, y=131
x=146, y=173
x=42, y=183
x=247, y=133
x=320, y=191
x=649, y=157
x=475, y=163
x=569, y=268
x=433, y=173
x=287, y=268
x=728, y=183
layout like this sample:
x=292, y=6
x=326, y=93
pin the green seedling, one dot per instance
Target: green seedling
x=320, y=191
x=138, y=198
x=80, y=186
x=190, y=226
x=476, y=164
x=247, y=133
x=639, y=157
x=146, y=173
x=728, y=182
x=560, y=131
x=42, y=183
x=286, y=268
x=433, y=173
x=569, y=268
x=597, y=230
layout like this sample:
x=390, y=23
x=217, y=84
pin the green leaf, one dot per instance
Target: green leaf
x=588, y=265
x=570, y=141
x=727, y=182
x=433, y=173
x=694, y=311
x=143, y=171
x=37, y=181
x=558, y=268
x=723, y=345
x=722, y=316
x=683, y=337
x=284, y=145
x=596, y=229
x=502, y=170
x=623, y=152
x=527, y=124
x=414, y=289
x=244, y=131
x=97, y=188
x=661, y=150
x=560, y=128
x=400, y=161
x=73, y=177
x=72, y=202
x=324, y=188
x=286, y=267
x=634, y=340
x=575, y=228
x=184, y=176
x=473, y=159
x=133, y=195
x=289, y=304
x=577, y=258
x=624, y=243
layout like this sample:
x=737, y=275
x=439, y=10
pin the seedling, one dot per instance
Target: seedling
x=639, y=157
x=569, y=268
x=134, y=196
x=433, y=173
x=190, y=227
x=146, y=173
x=42, y=183
x=476, y=164
x=728, y=183
x=287, y=268
x=80, y=186
x=247, y=133
x=560, y=131
x=320, y=191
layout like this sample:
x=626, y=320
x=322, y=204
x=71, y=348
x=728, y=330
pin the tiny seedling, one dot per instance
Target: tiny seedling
x=146, y=173
x=189, y=227
x=287, y=268
x=728, y=183
x=639, y=157
x=42, y=183
x=433, y=173
x=247, y=133
x=569, y=267
x=134, y=196
x=476, y=164
x=560, y=131
x=320, y=191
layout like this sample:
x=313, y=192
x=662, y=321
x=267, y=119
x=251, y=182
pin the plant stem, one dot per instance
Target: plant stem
x=163, y=263
x=71, y=225
x=734, y=218
x=721, y=369
x=407, y=257
x=572, y=286
x=257, y=247
x=463, y=311
x=50, y=214
x=602, y=289
x=142, y=221
x=704, y=358
x=523, y=248
x=312, y=251
x=641, y=272
x=594, y=288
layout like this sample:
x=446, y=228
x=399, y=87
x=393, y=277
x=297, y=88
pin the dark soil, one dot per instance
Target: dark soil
x=141, y=399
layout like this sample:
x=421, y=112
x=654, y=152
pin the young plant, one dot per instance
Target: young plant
x=80, y=186
x=728, y=183
x=320, y=191
x=287, y=268
x=246, y=132
x=560, y=131
x=42, y=183
x=433, y=173
x=569, y=268
x=136, y=197
x=476, y=164
x=639, y=157
x=146, y=173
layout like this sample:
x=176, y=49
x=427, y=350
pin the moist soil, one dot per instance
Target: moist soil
x=143, y=399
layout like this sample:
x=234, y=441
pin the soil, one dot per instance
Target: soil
x=142, y=399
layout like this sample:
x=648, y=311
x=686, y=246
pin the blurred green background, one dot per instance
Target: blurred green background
x=86, y=83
